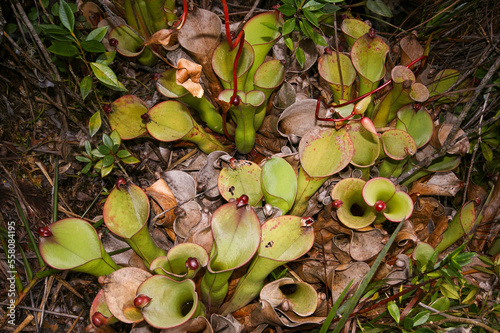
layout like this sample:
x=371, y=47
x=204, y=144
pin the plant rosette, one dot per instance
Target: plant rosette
x=380, y=193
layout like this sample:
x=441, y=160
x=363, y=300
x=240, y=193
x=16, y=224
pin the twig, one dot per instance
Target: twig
x=46, y=311
x=469, y=173
x=248, y=15
x=181, y=203
x=465, y=321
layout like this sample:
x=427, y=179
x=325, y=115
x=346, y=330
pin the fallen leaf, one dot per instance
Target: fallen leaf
x=161, y=37
x=188, y=75
x=162, y=199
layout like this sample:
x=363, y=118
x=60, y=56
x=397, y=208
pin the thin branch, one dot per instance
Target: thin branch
x=469, y=173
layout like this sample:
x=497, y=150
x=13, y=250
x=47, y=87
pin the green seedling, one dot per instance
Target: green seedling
x=106, y=156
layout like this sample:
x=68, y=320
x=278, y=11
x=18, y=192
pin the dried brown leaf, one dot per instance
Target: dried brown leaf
x=188, y=75
x=163, y=199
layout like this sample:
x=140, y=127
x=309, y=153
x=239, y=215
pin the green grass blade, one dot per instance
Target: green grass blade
x=30, y=234
x=351, y=304
x=55, y=191
x=333, y=310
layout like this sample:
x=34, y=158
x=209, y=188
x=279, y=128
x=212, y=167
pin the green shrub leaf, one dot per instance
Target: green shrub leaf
x=64, y=49
x=97, y=34
x=106, y=76
x=394, y=311
x=106, y=58
x=66, y=15
x=92, y=46
x=85, y=86
x=379, y=7
x=95, y=123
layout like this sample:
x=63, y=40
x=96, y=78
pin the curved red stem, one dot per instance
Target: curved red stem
x=239, y=40
x=365, y=95
x=179, y=24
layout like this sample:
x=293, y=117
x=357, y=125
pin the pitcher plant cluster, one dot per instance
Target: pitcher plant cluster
x=261, y=225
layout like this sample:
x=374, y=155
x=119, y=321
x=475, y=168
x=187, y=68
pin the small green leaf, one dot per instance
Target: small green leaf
x=107, y=161
x=97, y=34
x=379, y=7
x=301, y=57
x=421, y=318
x=92, y=46
x=270, y=26
x=87, y=167
x=330, y=9
x=318, y=39
x=115, y=148
x=95, y=123
x=449, y=291
x=64, y=49
x=471, y=296
x=288, y=26
x=313, y=5
x=122, y=154
x=408, y=323
x=98, y=165
x=465, y=258
x=289, y=43
x=66, y=15
x=52, y=29
x=104, y=149
x=486, y=260
x=107, y=141
x=487, y=152
x=311, y=17
x=115, y=136
x=106, y=58
x=55, y=9
x=130, y=160
x=88, y=148
x=394, y=311
x=85, y=86
x=107, y=76
x=106, y=170
x=83, y=159
x=287, y=10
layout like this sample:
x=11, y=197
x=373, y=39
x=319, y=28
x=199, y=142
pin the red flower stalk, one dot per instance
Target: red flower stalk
x=365, y=95
x=179, y=24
